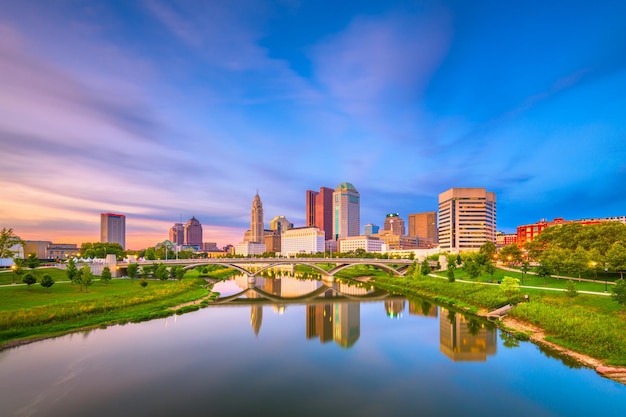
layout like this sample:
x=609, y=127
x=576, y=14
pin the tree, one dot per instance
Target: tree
x=618, y=292
x=570, y=289
x=577, y=262
x=71, y=271
x=150, y=254
x=47, y=281
x=132, y=271
x=106, y=275
x=525, y=267
x=160, y=272
x=543, y=271
x=510, y=253
x=29, y=280
x=510, y=286
x=490, y=268
x=450, y=272
x=32, y=261
x=616, y=257
x=143, y=283
x=425, y=268
x=86, y=277
x=8, y=240
x=101, y=250
x=488, y=249
x=459, y=261
x=472, y=269
x=180, y=273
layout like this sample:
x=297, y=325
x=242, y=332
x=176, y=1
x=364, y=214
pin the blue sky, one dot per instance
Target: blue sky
x=164, y=110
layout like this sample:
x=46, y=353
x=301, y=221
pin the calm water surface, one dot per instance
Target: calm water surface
x=338, y=351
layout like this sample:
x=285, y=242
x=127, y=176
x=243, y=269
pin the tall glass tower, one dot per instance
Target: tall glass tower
x=346, y=211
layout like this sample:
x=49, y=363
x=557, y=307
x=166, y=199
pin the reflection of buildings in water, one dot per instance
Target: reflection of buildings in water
x=394, y=308
x=340, y=322
x=422, y=308
x=256, y=314
x=350, y=289
x=463, y=339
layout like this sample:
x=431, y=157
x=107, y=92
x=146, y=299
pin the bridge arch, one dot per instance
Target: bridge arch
x=230, y=265
x=397, y=272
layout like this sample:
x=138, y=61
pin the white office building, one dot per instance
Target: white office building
x=302, y=240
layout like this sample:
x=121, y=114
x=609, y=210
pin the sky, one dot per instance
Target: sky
x=164, y=110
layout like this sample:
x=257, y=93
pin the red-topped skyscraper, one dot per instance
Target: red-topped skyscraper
x=319, y=210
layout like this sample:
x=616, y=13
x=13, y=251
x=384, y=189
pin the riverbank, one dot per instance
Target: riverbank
x=569, y=337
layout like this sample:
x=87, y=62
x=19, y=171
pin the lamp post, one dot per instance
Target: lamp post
x=595, y=271
x=13, y=268
x=606, y=271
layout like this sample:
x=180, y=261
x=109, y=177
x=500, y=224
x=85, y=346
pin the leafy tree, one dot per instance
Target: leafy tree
x=86, y=277
x=8, y=239
x=510, y=253
x=132, y=271
x=106, y=275
x=450, y=272
x=473, y=326
x=425, y=268
x=570, y=289
x=510, y=286
x=150, y=254
x=459, y=261
x=543, y=271
x=577, y=262
x=525, y=267
x=47, y=281
x=160, y=272
x=180, y=272
x=29, y=279
x=143, y=283
x=488, y=249
x=618, y=292
x=490, y=268
x=101, y=250
x=71, y=271
x=472, y=269
x=534, y=249
x=32, y=261
x=616, y=257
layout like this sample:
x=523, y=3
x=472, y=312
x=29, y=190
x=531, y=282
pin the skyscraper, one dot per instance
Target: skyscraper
x=423, y=225
x=193, y=232
x=319, y=210
x=346, y=211
x=113, y=228
x=370, y=229
x=467, y=219
x=395, y=224
x=256, y=221
x=177, y=234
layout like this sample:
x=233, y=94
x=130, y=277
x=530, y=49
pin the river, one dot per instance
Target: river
x=298, y=347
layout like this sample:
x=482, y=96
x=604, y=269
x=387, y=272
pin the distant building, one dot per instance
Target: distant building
x=273, y=241
x=256, y=221
x=423, y=226
x=302, y=240
x=505, y=239
x=38, y=247
x=394, y=224
x=113, y=228
x=393, y=241
x=249, y=248
x=467, y=219
x=61, y=250
x=193, y=233
x=365, y=242
x=177, y=234
x=280, y=223
x=370, y=229
x=319, y=210
x=346, y=211
x=209, y=246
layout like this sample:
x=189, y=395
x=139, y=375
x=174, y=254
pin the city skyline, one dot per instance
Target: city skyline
x=168, y=110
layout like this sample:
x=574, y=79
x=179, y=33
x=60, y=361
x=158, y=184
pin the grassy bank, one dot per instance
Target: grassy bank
x=31, y=314
x=589, y=324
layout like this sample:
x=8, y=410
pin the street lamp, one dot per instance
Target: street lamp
x=606, y=271
x=13, y=268
x=595, y=271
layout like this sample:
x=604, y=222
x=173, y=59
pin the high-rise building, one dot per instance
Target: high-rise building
x=423, y=225
x=177, y=234
x=346, y=211
x=319, y=210
x=113, y=228
x=370, y=229
x=193, y=232
x=280, y=224
x=467, y=219
x=395, y=224
x=256, y=221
